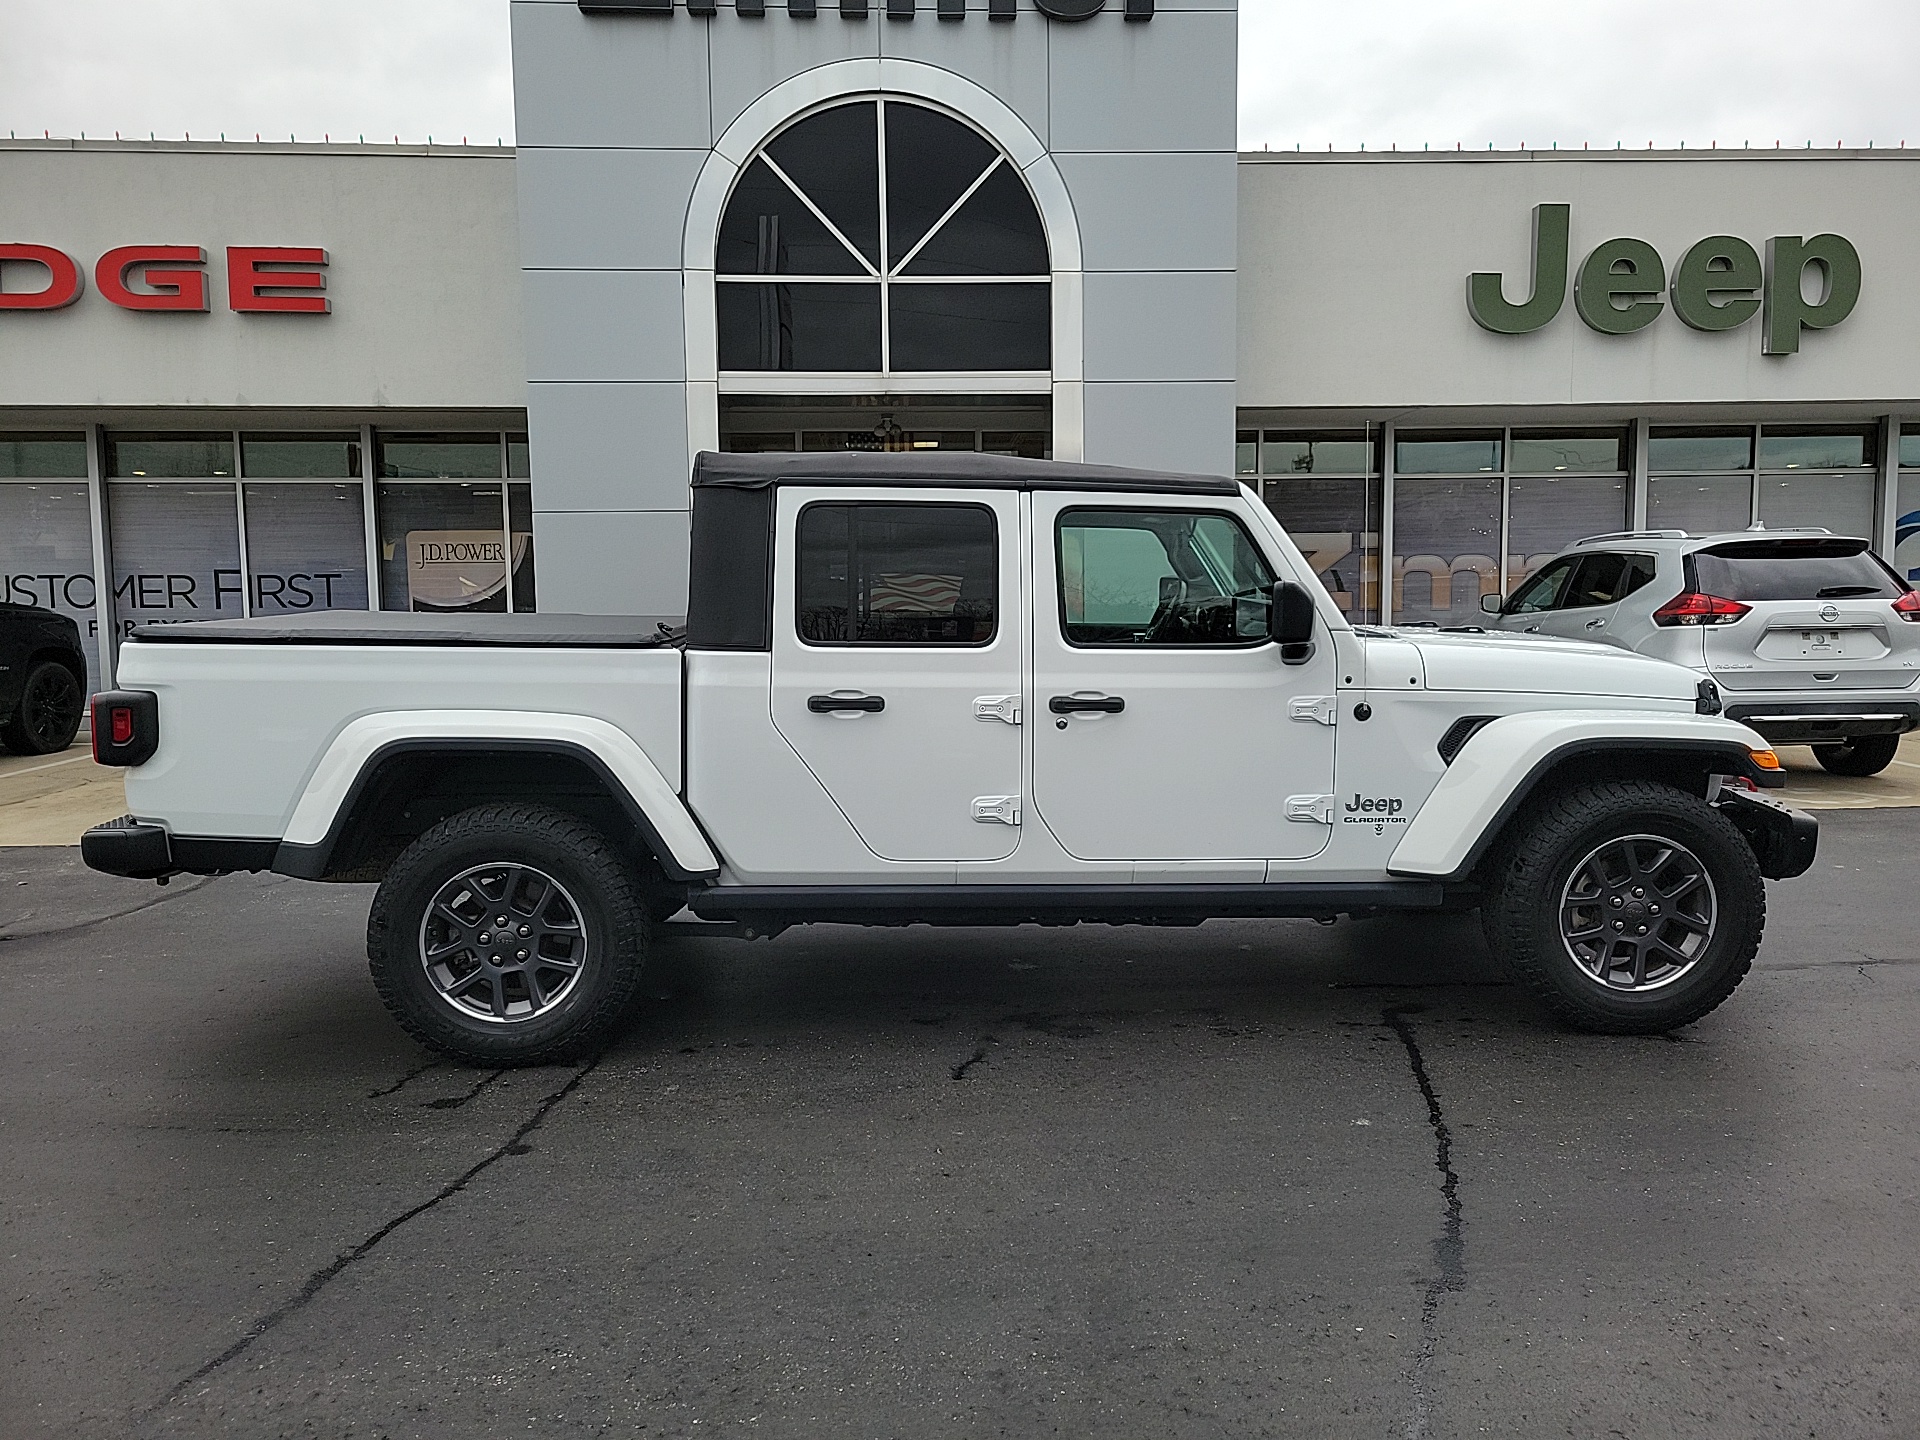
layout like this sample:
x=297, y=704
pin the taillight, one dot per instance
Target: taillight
x=1907, y=607
x=126, y=727
x=122, y=725
x=1693, y=607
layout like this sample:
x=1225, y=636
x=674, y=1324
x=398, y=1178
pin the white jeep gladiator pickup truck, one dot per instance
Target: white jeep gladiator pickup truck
x=951, y=690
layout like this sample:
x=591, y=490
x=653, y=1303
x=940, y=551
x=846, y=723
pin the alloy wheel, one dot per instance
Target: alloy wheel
x=503, y=943
x=1638, y=913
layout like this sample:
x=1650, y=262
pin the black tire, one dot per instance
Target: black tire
x=1863, y=755
x=1567, y=857
x=52, y=703
x=537, y=1011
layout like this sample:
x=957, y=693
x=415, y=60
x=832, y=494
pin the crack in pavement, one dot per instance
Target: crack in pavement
x=404, y=1080
x=76, y=928
x=1450, y=1245
x=324, y=1276
x=979, y=1057
x=454, y=1102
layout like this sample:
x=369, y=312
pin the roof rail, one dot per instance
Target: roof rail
x=1635, y=535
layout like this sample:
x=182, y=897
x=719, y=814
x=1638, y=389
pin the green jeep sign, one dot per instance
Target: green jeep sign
x=1719, y=284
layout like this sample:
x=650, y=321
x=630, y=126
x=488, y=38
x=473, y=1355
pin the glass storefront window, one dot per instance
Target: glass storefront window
x=1027, y=444
x=1699, y=504
x=442, y=547
x=1823, y=450
x=1446, y=540
x=1246, y=452
x=1553, y=452
x=292, y=457
x=519, y=458
x=1840, y=503
x=1547, y=513
x=35, y=456
x=1446, y=454
x=169, y=457
x=1285, y=453
x=306, y=548
x=1695, y=451
x=1910, y=450
x=46, y=555
x=520, y=539
x=1336, y=524
x=176, y=553
x=1906, y=527
x=440, y=457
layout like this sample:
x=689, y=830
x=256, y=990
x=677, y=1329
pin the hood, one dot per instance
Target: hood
x=1541, y=664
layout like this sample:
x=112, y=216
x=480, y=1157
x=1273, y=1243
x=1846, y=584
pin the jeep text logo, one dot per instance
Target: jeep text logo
x=1713, y=288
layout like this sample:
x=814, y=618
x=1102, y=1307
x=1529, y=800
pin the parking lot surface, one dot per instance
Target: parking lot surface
x=1250, y=1179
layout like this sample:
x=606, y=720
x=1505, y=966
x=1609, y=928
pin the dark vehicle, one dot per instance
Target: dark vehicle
x=43, y=680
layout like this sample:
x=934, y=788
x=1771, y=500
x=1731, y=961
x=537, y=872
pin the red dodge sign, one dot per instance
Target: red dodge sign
x=261, y=279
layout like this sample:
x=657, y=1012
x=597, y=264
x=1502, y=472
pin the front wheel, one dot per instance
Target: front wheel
x=509, y=935
x=1628, y=907
x=1862, y=755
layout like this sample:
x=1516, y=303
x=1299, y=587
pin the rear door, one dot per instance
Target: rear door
x=897, y=663
x=1589, y=602
x=1819, y=616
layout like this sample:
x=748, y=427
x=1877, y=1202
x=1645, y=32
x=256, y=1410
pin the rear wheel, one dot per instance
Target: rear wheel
x=1628, y=907
x=1863, y=755
x=509, y=935
x=48, y=716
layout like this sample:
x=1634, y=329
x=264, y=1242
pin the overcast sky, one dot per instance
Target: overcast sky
x=1373, y=72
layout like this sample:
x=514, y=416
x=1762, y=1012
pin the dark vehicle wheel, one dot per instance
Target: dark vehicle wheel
x=1863, y=755
x=1628, y=907
x=52, y=703
x=509, y=935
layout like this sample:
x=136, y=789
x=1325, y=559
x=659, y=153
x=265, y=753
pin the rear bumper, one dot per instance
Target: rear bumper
x=146, y=850
x=1785, y=720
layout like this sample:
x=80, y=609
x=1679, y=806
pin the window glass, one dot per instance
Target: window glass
x=1599, y=579
x=31, y=456
x=1906, y=530
x=442, y=547
x=519, y=458
x=306, y=548
x=971, y=327
x=1840, y=503
x=1547, y=513
x=799, y=327
x=1285, y=453
x=1830, y=451
x=1246, y=452
x=1446, y=454
x=1336, y=524
x=442, y=457
x=46, y=555
x=189, y=457
x=997, y=232
x=520, y=529
x=1700, y=504
x=1697, y=450
x=176, y=553
x=1549, y=452
x=1910, y=447
x=1543, y=590
x=767, y=442
x=768, y=230
x=1792, y=570
x=896, y=575
x=1446, y=535
x=931, y=160
x=834, y=157
x=1161, y=578
x=295, y=456
x=1028, y=444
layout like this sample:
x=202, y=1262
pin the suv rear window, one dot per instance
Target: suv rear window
x=1793, y=570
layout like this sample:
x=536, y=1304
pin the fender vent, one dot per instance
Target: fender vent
x=1459, y=732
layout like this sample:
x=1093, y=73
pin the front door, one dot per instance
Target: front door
x=1163, y=727
x=897, y=663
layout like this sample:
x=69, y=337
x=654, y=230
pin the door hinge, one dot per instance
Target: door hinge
x=996, y=809
x=1323, y=708
x=1004, y=708
x=1310, y=809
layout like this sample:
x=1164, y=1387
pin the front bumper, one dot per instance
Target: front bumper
x=1784, y=841
x=147, y=850
x=1791, y=720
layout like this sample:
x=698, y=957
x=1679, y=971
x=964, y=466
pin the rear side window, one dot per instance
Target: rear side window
x=897, y=575
x=1605, y=577
x=1793, y=570
x=1156, y=577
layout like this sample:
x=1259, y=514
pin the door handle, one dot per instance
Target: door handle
x=831, y=704
x=1086, y=704
x=1596, y=624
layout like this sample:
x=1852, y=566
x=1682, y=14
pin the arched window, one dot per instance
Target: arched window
x=904, y=241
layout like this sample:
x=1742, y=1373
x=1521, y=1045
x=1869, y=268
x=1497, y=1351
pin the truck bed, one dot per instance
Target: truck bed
x=400, y=627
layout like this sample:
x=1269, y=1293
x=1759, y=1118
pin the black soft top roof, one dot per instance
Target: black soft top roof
x=957, y=469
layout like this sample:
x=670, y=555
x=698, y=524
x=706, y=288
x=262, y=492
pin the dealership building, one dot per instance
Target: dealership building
x=245, y=377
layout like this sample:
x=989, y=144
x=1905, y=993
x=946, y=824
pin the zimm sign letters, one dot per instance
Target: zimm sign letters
x=1719, y=284
x=261, y=279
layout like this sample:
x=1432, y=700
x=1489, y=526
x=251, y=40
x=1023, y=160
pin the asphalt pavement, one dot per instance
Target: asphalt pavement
x=1250, y=1179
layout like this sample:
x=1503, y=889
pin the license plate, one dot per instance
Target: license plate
x=1822, y=644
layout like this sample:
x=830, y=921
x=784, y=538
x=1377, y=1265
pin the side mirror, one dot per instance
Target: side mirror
x=1292, y=622
x=1493, y=604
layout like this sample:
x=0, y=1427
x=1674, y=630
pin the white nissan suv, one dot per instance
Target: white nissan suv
x=1811, y=636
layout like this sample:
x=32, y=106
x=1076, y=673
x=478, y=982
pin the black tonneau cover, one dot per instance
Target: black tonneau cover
x=400, y=627
x=960, y=469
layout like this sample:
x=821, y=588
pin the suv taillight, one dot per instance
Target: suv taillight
x=1693, y=607
x=1907, y=607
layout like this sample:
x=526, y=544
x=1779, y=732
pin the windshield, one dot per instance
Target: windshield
x=1820, y=569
